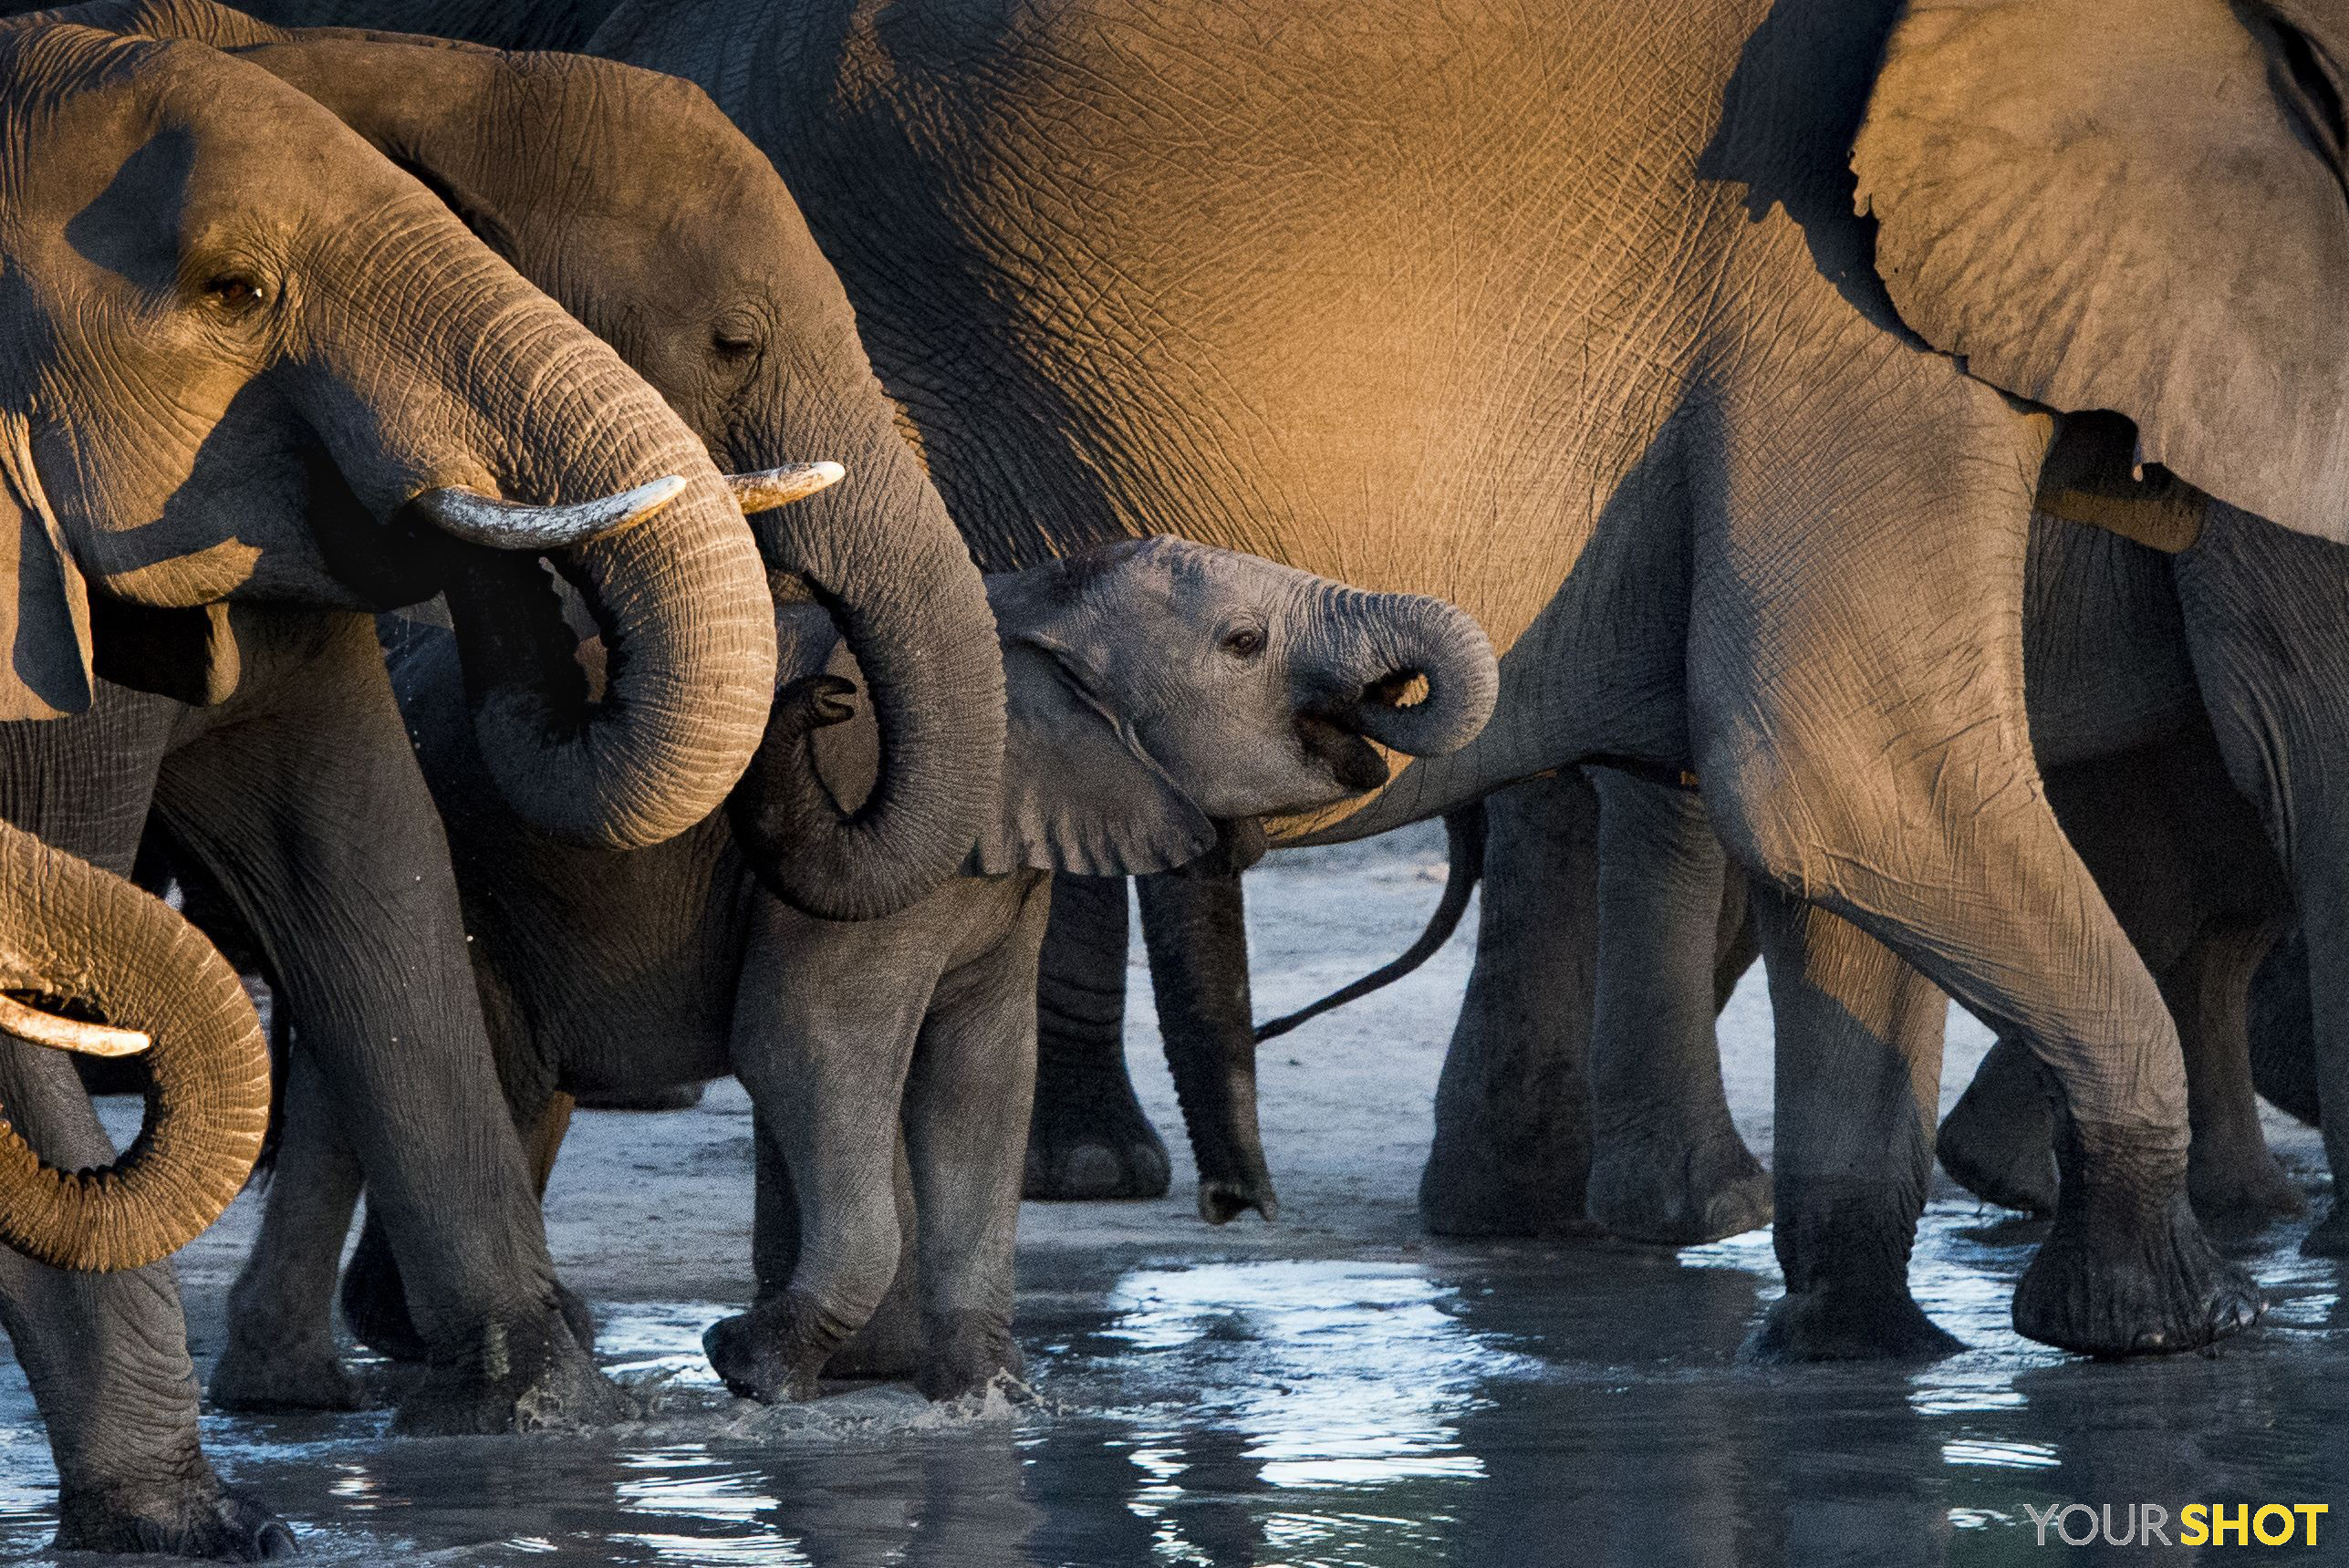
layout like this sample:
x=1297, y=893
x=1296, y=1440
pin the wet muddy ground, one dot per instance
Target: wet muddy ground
x=1335, y=1389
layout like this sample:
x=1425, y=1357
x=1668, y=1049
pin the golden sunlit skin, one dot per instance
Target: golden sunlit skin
x=1733, y=455
x=565, y=552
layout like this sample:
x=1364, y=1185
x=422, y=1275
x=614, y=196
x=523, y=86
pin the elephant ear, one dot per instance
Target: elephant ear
x=1080, y=794
x=45, y=641
x=2133, y=205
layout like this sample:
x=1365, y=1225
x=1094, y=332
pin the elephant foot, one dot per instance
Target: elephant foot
x=1677, y=1194
x=1995, y=1165
x=1469, y=1192
x=1998, y=1142
x=967, y=1351
x=2330, y=1237
x=889, y=1344
x=774, y=1351
x=1830, y=1323
x=2239, y=1191
x=222, y=1524
x=292, y=1375
x=1090, y=1139
x=526, y=1376
x=375, y=1304
x=2126, y=1275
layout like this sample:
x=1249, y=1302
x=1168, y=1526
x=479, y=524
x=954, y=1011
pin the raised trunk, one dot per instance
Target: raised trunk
x=70, y=931
x=1377, y=652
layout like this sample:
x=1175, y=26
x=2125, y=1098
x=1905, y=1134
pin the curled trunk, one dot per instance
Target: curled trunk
x=70, y=931
x=1413, y=673
x=680, y=605
x=879, y=552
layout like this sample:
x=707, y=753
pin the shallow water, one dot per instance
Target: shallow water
x=1503, y=1406
x=1335, y=1390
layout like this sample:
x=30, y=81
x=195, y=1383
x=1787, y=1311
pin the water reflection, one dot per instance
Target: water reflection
x=1489, y=1406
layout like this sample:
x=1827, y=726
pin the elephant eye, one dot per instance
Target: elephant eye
x=234, y=293
x=734, y=343
x=1244, y=642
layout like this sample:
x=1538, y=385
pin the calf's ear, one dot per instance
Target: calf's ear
x=45, y=639
x=1080, y=794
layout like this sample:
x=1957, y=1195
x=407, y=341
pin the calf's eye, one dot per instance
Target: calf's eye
x=1244, y=642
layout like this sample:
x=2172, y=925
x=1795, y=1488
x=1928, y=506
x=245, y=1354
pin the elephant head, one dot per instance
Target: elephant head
x=1159, y=691
x=246, y=357
x=2133, y=206
x=654, y=221
x=71, y=932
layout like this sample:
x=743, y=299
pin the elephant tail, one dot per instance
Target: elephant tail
x=1464, y=845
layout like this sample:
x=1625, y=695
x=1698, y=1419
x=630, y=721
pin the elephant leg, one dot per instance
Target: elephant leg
x=2279, y=1015
x=1998, y=1142
x=107, y=1357
x=1667, y=1164
x=2236, y=1185
x=1088, y=1138
x=374, y=1300
x=314, y=818
x=1195, y=927
x=1859, y=1072
x=889, y=1344
x=970, y=1082
x=2280, y=706
x=281, y=1353
x=1513, y=1146
x=1855, y=684
x=825, y=1018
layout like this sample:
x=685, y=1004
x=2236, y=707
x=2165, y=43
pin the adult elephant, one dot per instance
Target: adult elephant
x=678, y=659
x=363, y=405
x=1583, y=1086
x=1569, y=318
x=747, y=332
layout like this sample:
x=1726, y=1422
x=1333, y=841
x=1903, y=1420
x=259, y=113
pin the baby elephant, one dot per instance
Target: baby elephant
x=1160, y=694
x=1155, y=691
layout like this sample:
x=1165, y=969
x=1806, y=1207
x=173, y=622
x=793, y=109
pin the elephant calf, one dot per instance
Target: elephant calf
x=1158, y=692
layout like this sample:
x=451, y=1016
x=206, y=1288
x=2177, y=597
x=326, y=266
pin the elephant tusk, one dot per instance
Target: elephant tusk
x=500, y=524
x=773, y=487
x=38, y=1028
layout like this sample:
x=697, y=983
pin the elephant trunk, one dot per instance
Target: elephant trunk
x=459, y=376
x=880, y=554
x=1415, y=674
x=680, y=603
x=1195, y=928
x=70, y=931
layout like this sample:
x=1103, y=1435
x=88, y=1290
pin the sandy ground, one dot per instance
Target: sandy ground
x=1337, y=1387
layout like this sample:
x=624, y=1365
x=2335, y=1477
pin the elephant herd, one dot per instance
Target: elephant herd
x=596, y=546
